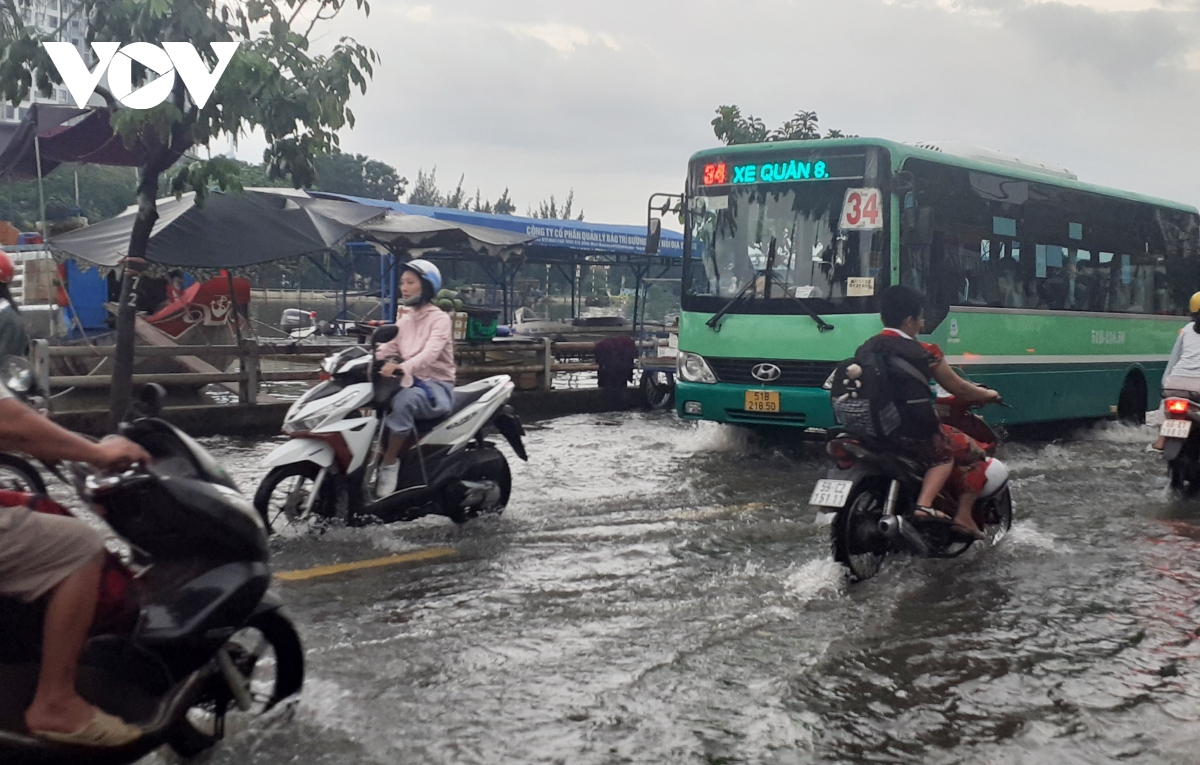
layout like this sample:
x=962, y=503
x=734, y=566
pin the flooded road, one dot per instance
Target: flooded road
x=658, y=592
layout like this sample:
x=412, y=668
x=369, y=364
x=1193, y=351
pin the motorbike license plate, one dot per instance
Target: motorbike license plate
x=1175, y=428
x=762, y=401
x=831, y=493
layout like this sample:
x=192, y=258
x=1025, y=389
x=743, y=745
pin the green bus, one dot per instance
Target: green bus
x=1064, y=296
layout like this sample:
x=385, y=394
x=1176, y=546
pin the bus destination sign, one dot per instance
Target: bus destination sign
x=807, y=169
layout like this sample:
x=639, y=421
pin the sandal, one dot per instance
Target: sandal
x=964, y=531
x=931, y=514
x=103, y=731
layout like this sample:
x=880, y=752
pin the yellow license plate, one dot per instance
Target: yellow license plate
x=762, y=401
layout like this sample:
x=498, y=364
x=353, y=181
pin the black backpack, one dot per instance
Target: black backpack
x=882, y=396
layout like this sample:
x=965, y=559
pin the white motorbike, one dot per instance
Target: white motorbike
x=329, y=467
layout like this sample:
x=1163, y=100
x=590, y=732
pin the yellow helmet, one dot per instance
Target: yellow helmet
x=1194, y=303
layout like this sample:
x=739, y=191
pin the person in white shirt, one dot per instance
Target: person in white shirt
x=1183, y=370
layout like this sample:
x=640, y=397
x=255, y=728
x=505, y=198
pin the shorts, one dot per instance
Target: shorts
x=37, y=551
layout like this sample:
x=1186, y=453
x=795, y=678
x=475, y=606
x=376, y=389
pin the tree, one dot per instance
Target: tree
x=548, y=208
x=732, y=127
x=298, y=99
x=426, y=192
x=103, y=192
x=360, y=176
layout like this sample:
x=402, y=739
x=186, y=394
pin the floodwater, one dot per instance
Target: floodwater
x=658, y=592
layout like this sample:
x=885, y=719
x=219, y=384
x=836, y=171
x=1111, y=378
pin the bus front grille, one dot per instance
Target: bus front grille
x=794, y=374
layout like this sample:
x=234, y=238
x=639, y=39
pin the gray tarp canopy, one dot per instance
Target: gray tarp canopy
x=231, y=230
x=260, y=225
x=418, y=231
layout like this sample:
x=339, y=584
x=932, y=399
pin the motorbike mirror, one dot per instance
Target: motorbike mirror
x=385, y=334
x=150, y=400
x=653, y=235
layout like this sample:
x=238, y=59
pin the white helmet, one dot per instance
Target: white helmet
x=997, y=477
x=430, y=276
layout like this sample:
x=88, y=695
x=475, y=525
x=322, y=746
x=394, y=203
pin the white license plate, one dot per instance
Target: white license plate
x=831, y=493
x=1175, y=428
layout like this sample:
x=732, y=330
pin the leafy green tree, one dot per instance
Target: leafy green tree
x=732, y=127
x=359, y=175
x=549, y=208
x=297, y=98
x=103, y=192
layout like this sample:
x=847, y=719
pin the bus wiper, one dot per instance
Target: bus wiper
x=769, y=277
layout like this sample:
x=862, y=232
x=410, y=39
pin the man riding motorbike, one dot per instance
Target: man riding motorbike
x=14, y=341
x=60, y=559
x=422, y=356
x=949, y=452
x=1183, y=369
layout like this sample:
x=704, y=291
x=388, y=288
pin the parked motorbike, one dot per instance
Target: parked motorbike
x=1181, y=447
x=873, y=492
x=187, y=633
x=329, y=468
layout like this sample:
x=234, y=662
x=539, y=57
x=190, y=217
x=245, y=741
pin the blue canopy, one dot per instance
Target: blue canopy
x=550, y=233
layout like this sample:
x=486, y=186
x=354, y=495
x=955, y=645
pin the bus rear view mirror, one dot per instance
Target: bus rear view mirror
x=917, y=224
x=653, y=235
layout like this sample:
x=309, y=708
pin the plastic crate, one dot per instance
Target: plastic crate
x=481, y=324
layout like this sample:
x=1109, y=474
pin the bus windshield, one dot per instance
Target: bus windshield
x=816, y=256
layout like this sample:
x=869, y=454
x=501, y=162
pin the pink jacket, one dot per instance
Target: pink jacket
x=425, y=342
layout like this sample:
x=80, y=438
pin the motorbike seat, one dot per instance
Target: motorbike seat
x=462, y=399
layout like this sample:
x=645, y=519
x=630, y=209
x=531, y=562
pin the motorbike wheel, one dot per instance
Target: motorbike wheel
x=857, y=543
x=268, y=653
x=997, y=517
x=658, y=390
x=17, y=474
x=282, y=499
x=488, y=464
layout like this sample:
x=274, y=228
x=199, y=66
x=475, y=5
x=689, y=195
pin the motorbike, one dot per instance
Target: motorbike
x=329, y=466
x=1181, y=447
x=17, y=471
x=872, y=492
x=187, y=635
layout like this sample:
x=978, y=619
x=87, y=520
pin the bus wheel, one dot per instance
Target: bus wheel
x=1131, y=406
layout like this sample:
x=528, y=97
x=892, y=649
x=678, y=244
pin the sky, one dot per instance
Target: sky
x=610, y=99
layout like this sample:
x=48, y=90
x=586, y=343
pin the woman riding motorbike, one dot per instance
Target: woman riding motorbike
x=1183, y=370
x=422, y=356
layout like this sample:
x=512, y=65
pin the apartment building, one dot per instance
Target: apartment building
x=65, y=20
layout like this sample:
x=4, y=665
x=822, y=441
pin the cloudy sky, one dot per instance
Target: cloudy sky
x=611, y=98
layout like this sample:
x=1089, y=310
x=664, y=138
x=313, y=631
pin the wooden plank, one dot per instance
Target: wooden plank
x=143, y=350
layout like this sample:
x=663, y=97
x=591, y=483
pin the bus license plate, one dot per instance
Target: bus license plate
x=831, y=493
x=762, y=401
x=1175, y=428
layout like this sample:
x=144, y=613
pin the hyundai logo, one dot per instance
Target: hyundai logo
x=766, y=372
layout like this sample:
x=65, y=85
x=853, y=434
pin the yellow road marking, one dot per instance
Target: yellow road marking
x=341, y=568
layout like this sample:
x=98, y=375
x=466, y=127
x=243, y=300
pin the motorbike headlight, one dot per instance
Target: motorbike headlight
x=331, y=407
x=693, y=368
x=16, y=374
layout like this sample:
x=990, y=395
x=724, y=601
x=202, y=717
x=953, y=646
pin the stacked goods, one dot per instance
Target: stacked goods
x=471, y=323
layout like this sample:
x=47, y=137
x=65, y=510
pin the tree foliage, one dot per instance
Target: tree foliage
x=732, y=127
x=359, y=175
x=426, y=192
x=103, y=192
x=549, y=208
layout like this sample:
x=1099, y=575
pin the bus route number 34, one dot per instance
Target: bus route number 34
x=862, y=209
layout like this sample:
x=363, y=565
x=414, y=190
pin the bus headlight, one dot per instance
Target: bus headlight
x=693, y=368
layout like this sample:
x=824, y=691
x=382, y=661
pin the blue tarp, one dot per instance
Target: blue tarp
x=550, y=233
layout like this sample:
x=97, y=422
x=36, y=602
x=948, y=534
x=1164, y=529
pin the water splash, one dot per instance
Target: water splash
x=819, y=578
x=1027, y=534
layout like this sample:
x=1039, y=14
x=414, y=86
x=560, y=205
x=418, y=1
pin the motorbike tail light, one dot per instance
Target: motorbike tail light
x=1177, y=405
x=843, y=452
x=323, y=376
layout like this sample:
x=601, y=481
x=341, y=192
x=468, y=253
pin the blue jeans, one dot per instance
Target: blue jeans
x=412, y=404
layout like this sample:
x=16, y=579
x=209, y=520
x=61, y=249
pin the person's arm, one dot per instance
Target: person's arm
x=960, y=388
x=1176, y=352
x=22, y=429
